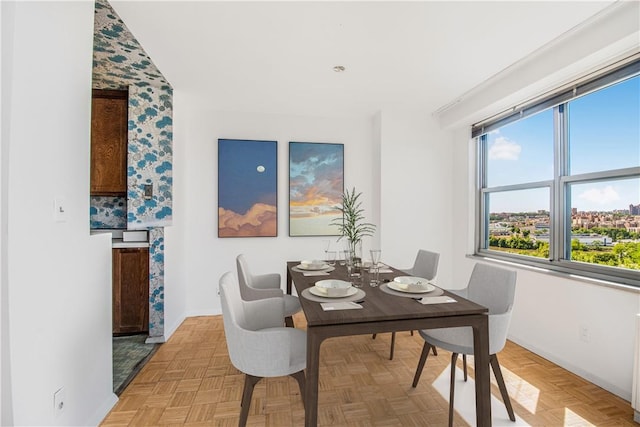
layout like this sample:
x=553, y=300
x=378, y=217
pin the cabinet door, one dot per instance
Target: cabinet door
x=130, y=290
x=109, y=142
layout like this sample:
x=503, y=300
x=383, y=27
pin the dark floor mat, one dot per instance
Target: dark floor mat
x=130, y=353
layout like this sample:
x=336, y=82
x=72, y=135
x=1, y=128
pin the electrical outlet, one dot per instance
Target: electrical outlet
x=584, y=333
x=59, y=401
x=148, y=191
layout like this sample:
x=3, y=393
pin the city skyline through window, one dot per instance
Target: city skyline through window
x=563, y=184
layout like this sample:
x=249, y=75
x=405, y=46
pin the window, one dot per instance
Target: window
x=559, y=180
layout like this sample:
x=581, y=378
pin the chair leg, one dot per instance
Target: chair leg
x=503, y=389
x=435, y=352
x=249, y=382
x=423, y=359
x=288, y=322
x=464, y=366
x=454, y=358
x=299, y=376
x=393, y=344
x=374, y=336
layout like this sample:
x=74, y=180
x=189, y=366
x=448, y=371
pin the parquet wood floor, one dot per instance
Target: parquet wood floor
x=191, y=382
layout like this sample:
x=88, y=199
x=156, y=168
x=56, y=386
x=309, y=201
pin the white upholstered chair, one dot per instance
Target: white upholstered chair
x=490, y=286
x=425, y=266
x=259, y=345
x=254, y=287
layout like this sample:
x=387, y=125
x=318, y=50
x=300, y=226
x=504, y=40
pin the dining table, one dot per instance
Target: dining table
x=385, y=312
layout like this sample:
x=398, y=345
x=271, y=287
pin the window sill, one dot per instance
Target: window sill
x=628, y=285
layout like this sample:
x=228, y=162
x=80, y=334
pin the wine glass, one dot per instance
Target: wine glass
x=375, y=268
x=325, y=247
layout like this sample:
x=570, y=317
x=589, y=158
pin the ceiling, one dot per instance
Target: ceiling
x=278, y=57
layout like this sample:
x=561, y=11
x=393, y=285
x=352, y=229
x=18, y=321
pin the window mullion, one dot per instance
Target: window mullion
x=560, y=168
x=482, y=213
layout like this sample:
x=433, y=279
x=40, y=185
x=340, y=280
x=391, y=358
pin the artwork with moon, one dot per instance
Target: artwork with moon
x=316, y=183
x=247, y=188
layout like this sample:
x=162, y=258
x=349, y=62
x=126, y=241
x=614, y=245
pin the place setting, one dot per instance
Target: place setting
x=418, y=288
x=315, y=267
x=334, y=294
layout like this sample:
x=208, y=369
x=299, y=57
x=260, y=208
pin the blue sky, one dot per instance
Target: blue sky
x=315, y=177
x=247, y=174
x=604, y=134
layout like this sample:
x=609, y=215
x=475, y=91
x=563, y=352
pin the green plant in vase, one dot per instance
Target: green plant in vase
x=352, y=226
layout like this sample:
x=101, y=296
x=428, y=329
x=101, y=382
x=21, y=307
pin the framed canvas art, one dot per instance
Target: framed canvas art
x=316, y=183
x=247, y=188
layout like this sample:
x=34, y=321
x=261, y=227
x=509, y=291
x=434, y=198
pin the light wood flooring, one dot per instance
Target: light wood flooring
x=191, y=382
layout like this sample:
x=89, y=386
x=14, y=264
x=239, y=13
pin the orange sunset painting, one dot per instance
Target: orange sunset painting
x=247, y=188
x=316, y=184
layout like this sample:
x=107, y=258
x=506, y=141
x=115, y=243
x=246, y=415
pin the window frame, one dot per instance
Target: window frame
x=559, y=186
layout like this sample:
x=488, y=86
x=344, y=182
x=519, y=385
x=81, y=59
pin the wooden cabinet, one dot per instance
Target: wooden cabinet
x=109, y=142
x=130, y=290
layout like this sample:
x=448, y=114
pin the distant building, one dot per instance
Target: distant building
x=634, y=210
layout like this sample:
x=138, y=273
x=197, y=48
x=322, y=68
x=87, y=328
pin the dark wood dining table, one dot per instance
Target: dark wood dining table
x=383, y=312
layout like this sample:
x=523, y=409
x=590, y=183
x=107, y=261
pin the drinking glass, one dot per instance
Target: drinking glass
x=354, y=275
x=331, y=257
x=345, y=256
x=375, y=267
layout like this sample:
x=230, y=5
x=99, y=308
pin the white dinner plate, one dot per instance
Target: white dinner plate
x=352, y=291
x=404, y=287
x=313, y=268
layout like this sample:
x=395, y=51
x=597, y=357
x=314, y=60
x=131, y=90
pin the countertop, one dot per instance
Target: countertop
x=117, y=241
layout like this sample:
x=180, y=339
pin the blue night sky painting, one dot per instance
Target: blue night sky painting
x=247, y=188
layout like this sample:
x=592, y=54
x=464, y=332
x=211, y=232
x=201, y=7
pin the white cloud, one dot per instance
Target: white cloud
x=601, y=196
x=504, y=149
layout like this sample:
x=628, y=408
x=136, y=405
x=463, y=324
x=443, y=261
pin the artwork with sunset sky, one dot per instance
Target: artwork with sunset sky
x=247, y=188
x=316, y=183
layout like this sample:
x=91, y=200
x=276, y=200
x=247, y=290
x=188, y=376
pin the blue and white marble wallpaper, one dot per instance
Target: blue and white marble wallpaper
x=156, y=282
x=108, y=212
x=118, y=59
x=150, y=156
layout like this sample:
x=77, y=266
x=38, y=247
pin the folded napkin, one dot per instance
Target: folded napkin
x=436, y=300
x=328, y=306
x=316, y=273
x=385, y=270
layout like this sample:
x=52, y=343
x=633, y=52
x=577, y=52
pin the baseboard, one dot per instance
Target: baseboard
x=196, y=313
x=600, y=382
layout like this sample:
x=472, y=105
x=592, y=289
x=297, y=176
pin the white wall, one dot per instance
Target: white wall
x=7, y=13
x=416, y=190
x=58, y=277
x=175, y=271
x=206, y=257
